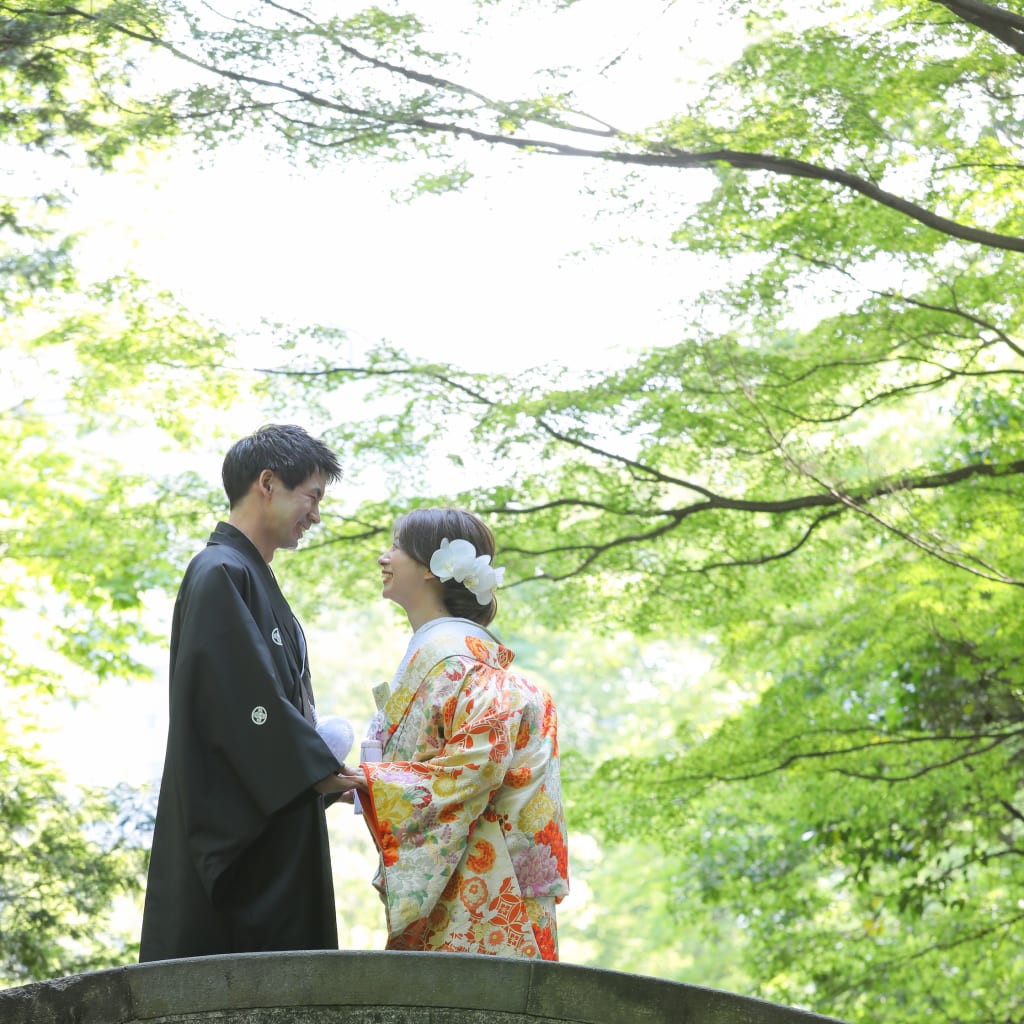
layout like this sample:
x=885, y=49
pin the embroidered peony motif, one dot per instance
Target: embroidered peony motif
x=448, y=711
x=445, y=785
x=451, y=813
x=388, y=846
x=523, y=736
x=439, y=918
x=518, y=777
x=537, y=871
x=537, y=813
x=546, y=941
x=551, y=835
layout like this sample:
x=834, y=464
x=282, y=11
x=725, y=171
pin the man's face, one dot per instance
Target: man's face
x=294, y=511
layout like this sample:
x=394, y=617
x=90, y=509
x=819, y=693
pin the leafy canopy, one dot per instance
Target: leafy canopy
x=819, y=483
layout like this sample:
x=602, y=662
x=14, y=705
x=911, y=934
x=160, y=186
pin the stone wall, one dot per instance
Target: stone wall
x=377, y=988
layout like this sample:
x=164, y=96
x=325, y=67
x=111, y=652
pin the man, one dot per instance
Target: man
x=240, y=857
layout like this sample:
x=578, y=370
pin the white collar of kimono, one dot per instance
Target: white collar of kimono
x=465, y=626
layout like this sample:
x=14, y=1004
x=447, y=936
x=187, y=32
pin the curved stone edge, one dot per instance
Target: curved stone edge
x=583, y=995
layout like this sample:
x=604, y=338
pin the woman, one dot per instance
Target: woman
x=466, y=805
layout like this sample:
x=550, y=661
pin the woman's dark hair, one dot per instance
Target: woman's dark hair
x=419, y=534
x=282, y=447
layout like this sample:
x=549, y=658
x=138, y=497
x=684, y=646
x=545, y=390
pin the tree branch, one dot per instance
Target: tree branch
x=657, y=155
x=1004, y=25
x=874, y=744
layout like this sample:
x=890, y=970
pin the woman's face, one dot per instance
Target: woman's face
x=402, y=577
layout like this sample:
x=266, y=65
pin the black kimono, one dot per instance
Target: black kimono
x=240, y=858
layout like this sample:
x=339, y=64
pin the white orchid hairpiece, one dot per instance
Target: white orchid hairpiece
x=457, y=560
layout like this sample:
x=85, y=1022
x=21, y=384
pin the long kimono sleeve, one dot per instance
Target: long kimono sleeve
x=423, y=811
x=243, y=750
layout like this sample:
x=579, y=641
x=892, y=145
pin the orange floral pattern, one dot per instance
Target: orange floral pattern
x=388, y=845
x=519, y=777
x=466, y=807
x=554, y=838
x=523, y=736
x=482, y=859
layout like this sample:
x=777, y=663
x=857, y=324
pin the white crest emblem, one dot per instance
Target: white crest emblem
x=276, y=637
x=259, y=714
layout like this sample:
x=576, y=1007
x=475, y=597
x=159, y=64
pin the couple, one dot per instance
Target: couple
x=465, y=805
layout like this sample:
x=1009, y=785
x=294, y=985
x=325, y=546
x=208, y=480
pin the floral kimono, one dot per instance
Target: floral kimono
x=466, y=806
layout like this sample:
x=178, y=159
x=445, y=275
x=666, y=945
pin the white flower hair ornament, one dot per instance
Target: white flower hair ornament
x=457, y=560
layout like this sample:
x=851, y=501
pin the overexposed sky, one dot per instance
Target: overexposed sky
x=502, y=275
x=485, y=278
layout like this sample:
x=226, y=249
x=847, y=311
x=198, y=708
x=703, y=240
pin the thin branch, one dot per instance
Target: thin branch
x=865, y=982
x=952, y=557
x=927, y=769
x=830, y=497
x=858, y=504
x=956, y=311
x=997, y=739
x=1013, y=811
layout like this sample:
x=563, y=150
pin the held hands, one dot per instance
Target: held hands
x=345, y=782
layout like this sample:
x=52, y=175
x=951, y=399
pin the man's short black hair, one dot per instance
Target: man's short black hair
x=288, y=450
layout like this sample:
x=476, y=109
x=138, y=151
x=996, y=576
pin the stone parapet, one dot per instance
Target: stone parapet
x=364, y=987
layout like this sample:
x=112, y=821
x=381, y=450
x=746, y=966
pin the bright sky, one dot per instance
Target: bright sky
x=483, y=278
x=486, y=278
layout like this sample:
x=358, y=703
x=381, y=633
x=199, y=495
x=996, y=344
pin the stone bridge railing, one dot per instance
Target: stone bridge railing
x=377, y=988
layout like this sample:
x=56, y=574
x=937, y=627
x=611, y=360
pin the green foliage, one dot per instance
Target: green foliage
x=84, y=546
x=820, y=481
x=68, y=96
x=864, y=804
x=817, y=486
x=67, y=861
x=66, y=79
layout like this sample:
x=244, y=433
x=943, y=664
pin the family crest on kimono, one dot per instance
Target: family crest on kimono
x=465, y=806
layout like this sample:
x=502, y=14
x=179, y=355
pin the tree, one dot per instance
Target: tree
x=819, y=477
x=912, y=319
x=63, y=99
x=821, y=480
x=68, y=861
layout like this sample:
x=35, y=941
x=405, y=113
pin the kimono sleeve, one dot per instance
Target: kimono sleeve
x=422, y=811
x=243, y=751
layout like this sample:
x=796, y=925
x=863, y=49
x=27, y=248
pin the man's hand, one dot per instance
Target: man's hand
x=345, y=781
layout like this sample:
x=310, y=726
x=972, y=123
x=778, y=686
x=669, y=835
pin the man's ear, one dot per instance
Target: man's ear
x=266, y=482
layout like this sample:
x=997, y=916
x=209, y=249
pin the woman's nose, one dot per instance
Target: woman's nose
x=382, y=558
